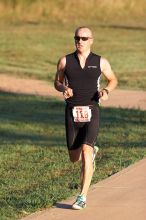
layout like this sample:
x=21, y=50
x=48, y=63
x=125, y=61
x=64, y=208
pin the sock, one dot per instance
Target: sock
x=83, y=198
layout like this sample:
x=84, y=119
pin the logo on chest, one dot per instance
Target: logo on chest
x=92, y=67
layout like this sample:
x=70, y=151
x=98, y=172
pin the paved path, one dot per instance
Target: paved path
x=119, y=197
x=118, y=98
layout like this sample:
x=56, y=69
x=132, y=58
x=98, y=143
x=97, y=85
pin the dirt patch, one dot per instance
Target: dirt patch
x=118, y=98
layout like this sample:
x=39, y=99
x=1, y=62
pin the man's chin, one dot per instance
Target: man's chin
x=80, y=49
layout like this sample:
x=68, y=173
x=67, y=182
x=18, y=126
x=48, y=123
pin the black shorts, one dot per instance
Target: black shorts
x=78, y=133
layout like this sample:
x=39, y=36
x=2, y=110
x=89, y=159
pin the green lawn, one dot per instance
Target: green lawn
x=32, y=50
x=35, y=171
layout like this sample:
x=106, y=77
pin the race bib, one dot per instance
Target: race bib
x=82, y=114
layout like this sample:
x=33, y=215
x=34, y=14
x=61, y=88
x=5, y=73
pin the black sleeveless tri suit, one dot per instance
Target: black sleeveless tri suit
x=85, y=85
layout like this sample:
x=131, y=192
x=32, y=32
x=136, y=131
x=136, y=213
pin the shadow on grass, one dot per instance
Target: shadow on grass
x=40, y=121
x=30, y=109
x=31, y=119
x=12, y=137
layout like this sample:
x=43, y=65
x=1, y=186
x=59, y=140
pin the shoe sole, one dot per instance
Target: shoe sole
x=76, y=207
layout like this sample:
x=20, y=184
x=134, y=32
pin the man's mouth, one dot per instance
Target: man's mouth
x=79, y=45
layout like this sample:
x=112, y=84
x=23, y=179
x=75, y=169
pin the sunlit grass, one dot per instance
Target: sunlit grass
x=34, y=50
x=74, y=11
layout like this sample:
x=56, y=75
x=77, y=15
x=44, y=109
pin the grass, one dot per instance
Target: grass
x=72, y=11
x=29, y=50
x=35, y=171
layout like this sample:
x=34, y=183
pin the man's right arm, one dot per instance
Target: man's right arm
x=59, y=79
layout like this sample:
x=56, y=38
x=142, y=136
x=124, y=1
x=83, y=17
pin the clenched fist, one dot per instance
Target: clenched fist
x=68, y=92
x=103, y=94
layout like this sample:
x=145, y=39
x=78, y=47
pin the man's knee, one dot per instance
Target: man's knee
x=73, y=160
x=75, y=155
x=87, y=151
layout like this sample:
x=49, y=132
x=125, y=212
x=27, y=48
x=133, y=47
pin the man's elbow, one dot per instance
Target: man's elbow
x=116, y=81
x=58, y=86
x=55, y=85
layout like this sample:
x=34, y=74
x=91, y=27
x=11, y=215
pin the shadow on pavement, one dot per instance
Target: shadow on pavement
x=63, y=206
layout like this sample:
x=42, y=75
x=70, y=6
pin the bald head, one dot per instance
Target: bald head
x=85, y=30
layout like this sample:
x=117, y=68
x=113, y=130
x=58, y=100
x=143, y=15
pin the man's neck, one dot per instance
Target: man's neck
x=83, y=54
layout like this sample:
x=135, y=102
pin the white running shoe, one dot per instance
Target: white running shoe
x=80, y=203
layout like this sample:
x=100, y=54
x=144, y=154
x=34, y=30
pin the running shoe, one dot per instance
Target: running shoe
x=95, y=150
x=80, y=203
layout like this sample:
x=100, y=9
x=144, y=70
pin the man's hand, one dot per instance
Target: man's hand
x=68, y=92
x=103, y=94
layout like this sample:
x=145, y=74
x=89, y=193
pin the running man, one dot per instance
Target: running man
x=77, y=78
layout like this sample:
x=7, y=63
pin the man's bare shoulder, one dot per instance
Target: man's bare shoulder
x=104, y=61
x=62, y=62
x=105, y=65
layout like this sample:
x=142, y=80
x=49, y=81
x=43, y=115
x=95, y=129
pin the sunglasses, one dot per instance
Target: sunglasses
x=77, y=38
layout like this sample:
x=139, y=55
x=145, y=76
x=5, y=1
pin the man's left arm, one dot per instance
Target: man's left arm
x=110, y=77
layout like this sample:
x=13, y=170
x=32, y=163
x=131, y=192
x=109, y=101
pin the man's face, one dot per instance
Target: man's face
x=83, y=40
